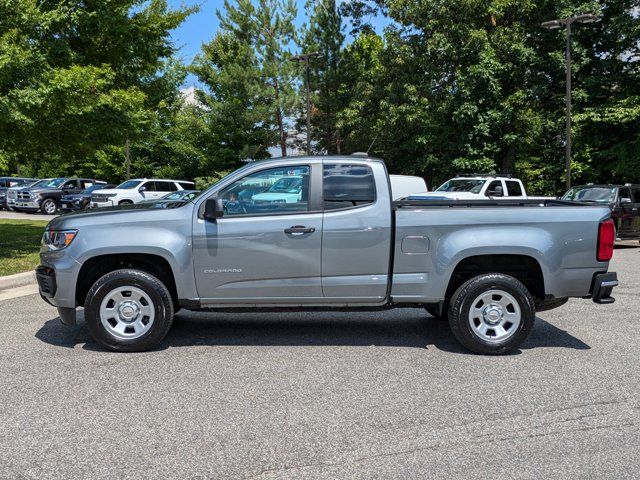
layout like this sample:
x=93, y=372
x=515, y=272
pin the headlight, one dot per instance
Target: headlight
x=58, y=239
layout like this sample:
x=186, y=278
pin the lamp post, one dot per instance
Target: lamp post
x=304, y=58
x=555, y=25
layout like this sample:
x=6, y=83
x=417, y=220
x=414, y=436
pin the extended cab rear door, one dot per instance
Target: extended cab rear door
x=356, y=231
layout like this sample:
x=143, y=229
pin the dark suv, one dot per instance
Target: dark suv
x=624, y=201
x=8, y=182
x=45, y=195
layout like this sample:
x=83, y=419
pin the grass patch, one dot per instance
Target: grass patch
x=19, y=245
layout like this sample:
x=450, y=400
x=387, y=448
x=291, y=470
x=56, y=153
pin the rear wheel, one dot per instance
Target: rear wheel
x=128, y=310
x=491, y=314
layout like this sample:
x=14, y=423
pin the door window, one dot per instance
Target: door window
x=514, y=189
x=492, y=189
x=636, y=194
x=164, y=187
x=624, y=193
x=71, y=184
x=347, y=186
x=268, y=192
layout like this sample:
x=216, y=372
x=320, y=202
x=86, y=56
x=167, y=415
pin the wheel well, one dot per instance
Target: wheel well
x=96, y=267
x=524, y=268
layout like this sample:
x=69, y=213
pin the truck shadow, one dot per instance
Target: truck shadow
x=408, y=329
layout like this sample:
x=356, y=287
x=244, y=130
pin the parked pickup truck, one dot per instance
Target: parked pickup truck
x=487, y=266
x=477, y=187
x=44, y=196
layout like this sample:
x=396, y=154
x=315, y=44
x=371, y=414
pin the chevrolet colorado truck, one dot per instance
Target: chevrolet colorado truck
x=486, y=266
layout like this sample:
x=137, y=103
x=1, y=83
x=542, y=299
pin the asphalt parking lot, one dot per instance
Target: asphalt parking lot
x=325, y=395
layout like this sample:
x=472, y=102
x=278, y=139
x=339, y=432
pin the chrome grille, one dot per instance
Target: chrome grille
x=24, y=196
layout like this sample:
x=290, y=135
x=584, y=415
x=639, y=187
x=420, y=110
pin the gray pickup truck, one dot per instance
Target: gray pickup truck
x=323, y=233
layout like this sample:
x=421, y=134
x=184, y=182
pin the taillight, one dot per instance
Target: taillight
x=606, y=239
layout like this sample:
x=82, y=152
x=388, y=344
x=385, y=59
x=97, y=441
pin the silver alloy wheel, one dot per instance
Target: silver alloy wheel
x=49, y=207
x=495, y=316
x=127, y=313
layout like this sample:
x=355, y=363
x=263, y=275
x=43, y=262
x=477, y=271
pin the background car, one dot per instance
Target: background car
x=12, y=193
x=179, y=196
x=8, y=182
x=138, y=190
x=80, y=201
x=624, y=201
x=44, y=196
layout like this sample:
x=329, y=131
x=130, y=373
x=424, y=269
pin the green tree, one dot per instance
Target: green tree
x=78, y=76
x=249, y=79
x=324, y=34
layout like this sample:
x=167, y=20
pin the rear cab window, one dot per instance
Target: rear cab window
x=347, y=186
x=514, y=189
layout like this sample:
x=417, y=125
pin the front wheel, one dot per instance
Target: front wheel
x=128, y=311
x=125, y=202
x=49, y=206
x=492, y=314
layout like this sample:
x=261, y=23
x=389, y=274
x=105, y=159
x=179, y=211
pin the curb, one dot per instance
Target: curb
x=17, y=280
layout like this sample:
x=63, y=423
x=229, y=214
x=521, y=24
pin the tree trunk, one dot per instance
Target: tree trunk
x=282, y=134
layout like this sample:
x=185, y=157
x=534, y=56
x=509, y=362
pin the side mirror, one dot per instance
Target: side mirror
x=496, y=192
x=625, y=201
x=142, y=189
x=213, y=208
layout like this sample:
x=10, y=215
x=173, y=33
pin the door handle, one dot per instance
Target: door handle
x=298, y=230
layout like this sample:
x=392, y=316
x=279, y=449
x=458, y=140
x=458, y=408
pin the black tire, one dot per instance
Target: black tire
x=162, y=306
x=125, y=202
x=49, y=204
x=462, y=302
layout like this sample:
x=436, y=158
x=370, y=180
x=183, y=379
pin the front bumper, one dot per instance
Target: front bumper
x=30, y=205
x=108, y=203
x=603, y=284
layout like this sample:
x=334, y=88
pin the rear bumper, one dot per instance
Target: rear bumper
x=603, y=284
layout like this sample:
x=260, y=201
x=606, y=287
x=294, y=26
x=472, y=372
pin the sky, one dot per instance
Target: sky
x=201, y=27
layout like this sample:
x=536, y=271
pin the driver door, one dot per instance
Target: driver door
x=266, y=248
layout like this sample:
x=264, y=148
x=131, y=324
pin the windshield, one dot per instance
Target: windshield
x=591, y=194
x=129, y=184
x=461, y=185
x=50, y=182
x=287, y=185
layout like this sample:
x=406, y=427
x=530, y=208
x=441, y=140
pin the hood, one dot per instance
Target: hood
x=40, y=189
x=118, y=214
x=111, y=191
x=444, y=196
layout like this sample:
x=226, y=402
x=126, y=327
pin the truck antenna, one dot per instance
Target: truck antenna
x=374, y=141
